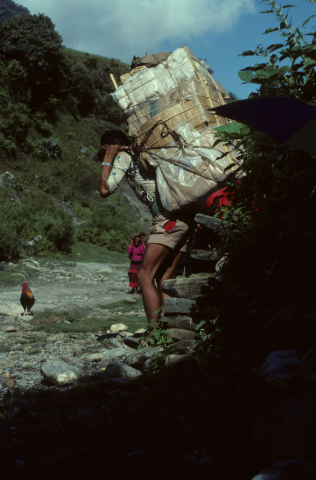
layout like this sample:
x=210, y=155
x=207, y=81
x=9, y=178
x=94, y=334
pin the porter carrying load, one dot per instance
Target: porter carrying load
x=168, y=111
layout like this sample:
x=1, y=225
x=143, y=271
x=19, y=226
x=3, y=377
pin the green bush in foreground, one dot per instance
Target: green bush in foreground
x=284, y=69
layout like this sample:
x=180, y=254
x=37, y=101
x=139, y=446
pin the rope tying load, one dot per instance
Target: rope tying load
x=168, y=109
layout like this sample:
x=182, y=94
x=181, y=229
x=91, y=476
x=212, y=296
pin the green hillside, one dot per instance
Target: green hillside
x=55, y=103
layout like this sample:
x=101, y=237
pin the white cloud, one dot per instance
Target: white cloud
x=122, y=28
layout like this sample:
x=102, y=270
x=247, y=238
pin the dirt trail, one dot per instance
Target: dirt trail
x=55, y=285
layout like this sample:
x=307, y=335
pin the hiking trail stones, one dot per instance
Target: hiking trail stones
x=276, y=381
x=118, y=327
x=121, y=370
x=62, y=370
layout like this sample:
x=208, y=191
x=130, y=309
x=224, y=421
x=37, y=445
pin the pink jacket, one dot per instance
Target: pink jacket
x=136, y=252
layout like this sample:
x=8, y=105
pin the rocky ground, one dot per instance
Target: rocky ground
x=52, y=425
x=55, y=284
x=70, y=298
x=77, y=400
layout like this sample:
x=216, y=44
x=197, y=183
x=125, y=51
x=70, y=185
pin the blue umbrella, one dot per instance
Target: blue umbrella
x=289, y=121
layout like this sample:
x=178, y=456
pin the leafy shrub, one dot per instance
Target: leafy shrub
x=286, y=69
x=52, y=185
x=109, y=226
x=37, y=215
x=16, y=79
x=49, y=148
x=16, y=124
x=57, y=230
x=9, y=243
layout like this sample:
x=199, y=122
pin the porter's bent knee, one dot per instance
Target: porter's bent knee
x=143, y=277
x=140, y=278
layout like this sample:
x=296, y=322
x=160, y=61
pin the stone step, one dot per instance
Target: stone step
x=205, y=255
x=190, y=288
x=179, y=306
x=209, y=222
x=178, y=334
x=179, y=321
x=203, y=261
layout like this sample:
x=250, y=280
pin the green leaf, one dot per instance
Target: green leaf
x=289, y=6
x=216, y=143
x=246, y=76
x=274, y=47
x=282, y=71
x=266, y=11
x=200, y=325
x=248, y=53
x=233, y=129
x=307, y=20
x=308, y=62
x=269, y=30
x=229, y=167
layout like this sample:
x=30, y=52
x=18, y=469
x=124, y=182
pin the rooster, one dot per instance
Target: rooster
x=27, y=299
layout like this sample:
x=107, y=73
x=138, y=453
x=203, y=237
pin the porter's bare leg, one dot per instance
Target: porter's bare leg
x=158, y=262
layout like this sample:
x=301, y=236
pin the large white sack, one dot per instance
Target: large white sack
x=185, y=178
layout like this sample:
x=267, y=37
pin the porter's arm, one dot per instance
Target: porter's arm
x=109, y=158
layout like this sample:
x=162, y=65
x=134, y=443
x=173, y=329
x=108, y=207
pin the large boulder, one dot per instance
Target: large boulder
x=279, y=368
x=114, y=354
x=121, y=370
x=136, y=359
x=181, y=361
x=62, y=370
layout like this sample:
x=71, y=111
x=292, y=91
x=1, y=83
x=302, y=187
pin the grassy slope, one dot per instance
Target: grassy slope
x=73, y=178
x=104, y=61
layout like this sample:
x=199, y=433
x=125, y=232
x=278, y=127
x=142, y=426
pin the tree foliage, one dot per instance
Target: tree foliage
x=286, y=68
x=9, y=9
x=39, y=78
x=33, y=42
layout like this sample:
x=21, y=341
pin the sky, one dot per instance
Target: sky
x=216, y=30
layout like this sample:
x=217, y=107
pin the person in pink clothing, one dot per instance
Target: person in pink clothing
x=135, y=252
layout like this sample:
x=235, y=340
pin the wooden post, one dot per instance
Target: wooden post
x=114, y=81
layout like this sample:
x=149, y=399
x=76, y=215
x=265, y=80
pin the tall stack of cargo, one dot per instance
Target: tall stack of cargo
x=167, y=109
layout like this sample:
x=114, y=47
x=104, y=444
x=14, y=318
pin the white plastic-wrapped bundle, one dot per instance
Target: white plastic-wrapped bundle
x=187, y=176
x=151, y=84
x=168, y=109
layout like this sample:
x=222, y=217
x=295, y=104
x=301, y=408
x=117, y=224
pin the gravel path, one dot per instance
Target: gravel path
x=57, y=284
x=82, y=290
